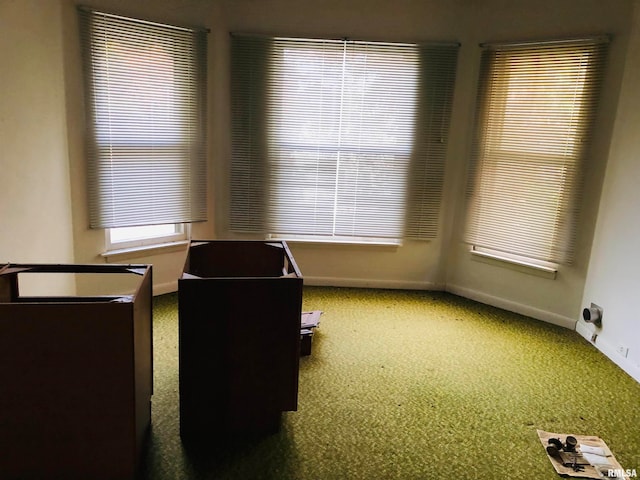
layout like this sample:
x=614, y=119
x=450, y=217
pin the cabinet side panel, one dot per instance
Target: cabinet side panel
x=67, y=405
x=143, y=359
x=239, y=350
x=203, y=372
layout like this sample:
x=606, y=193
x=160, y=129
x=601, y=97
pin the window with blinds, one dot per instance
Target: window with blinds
x=534, y=121
x=146, y=103
x=325, y=137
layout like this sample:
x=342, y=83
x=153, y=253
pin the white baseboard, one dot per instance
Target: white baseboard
x=511, y=306
x=609, y=350
x=371, y=283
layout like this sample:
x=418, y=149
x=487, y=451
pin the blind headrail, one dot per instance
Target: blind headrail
x=342, y=40
x=604, y=38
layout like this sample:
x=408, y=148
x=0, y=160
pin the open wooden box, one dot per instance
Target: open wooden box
x=240, y=304
x=75, y=376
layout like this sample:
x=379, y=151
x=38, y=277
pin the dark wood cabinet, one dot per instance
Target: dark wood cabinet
x=240, y=304
x=76, y=377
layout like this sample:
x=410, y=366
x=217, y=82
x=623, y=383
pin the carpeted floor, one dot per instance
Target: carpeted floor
x=412, y=385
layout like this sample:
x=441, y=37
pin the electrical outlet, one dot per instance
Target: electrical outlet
x=622, y=350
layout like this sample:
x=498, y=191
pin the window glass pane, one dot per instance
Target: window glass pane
x=125, y=234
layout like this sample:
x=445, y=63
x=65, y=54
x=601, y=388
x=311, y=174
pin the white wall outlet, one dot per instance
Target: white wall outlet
x=622, y=350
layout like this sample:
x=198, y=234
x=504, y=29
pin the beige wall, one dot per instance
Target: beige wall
x=35, y=211
x=613, y=279
x=442, y=263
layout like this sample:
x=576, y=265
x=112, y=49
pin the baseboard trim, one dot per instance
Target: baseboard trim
x=515, y=307
x=371, y=283
x=608, y=350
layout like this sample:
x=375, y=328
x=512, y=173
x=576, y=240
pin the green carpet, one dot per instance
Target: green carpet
x=412, y=385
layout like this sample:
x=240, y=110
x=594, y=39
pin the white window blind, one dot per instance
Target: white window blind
x=146, y=106
x=324, y=137
x=534, y=122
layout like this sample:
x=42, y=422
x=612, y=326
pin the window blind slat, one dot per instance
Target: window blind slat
x=146, y=101
x=534, y=121
x=324, y=136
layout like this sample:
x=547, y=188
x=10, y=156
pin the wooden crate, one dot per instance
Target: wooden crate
x=76, y=377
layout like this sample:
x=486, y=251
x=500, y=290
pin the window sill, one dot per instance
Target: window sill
x=518, y=265
x=145, y=250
